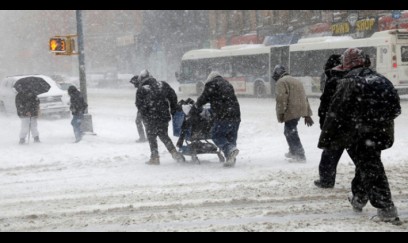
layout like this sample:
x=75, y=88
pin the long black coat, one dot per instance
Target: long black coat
x=78, y=104
x=27, y=103
x=362, y=111
x=224, y=103
x=156, y=101
x=328, y=92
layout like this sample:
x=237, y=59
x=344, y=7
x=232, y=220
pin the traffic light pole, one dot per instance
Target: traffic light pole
x=87, y=122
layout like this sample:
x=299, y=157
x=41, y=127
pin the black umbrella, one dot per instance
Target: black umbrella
x=33, y=85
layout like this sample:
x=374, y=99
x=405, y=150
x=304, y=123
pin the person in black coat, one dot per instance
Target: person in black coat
x=226, y=112
x=78, y=108
x=28, y=107
x=330, y=158
x=157, y=103
x=361, y=119
x=333, y=61
x=139, y=123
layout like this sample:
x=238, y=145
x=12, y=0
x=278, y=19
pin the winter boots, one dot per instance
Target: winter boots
x=296, y=158
x=177, y=156
x=141, y=140
x=357, y=203
x=153, y=161
x=231, y=158
x=22, y=140
x=321, y=184
x=388, y=214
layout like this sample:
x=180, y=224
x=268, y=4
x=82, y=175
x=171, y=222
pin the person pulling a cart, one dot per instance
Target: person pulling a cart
x=226, y=112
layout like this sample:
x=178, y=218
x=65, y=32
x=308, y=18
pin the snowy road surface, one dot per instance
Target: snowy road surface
x=102, y=183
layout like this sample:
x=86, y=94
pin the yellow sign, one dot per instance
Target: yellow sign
x=58, y=45
x=339, y=29
x=365, y=24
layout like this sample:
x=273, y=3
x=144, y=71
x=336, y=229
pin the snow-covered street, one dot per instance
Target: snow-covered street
x=103, y=183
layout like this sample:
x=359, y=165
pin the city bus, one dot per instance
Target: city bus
x=247, y=67
x=388, y=51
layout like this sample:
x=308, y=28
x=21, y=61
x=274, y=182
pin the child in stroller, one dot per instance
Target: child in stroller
x=193, y=129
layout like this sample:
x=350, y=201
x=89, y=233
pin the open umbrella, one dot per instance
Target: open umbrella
x=34, y=85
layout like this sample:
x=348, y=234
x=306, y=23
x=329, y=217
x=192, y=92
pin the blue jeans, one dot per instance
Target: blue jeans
x=76, y=124
x=292, y=137
x=225, y=135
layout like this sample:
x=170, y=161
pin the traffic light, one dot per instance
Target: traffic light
x=58, y=45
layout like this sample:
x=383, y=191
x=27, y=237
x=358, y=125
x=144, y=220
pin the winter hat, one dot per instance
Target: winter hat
x=72, y=89
x=135, y=80
x=144, y=74
x=333, y=61
x=352, y=58
x=212, y=75
x=278, y=72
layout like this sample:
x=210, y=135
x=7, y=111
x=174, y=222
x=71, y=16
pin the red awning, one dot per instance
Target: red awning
x=388, y=23
x=319, y=28
x=246, y=39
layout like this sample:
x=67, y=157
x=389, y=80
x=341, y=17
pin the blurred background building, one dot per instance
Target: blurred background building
x=126, y=41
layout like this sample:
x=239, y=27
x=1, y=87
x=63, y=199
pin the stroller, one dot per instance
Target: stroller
x=195, y=130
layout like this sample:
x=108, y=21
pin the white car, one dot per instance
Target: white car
x=54, y=102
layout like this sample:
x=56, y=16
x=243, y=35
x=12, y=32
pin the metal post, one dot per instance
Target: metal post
x=87, y=122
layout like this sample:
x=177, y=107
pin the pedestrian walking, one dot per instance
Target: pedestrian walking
x=291, y=105
x=78, y=108
x=157, y=103
x=330, y=158
x=362, y=113
x=28, y=107
x=227, y=114
x=139, y=122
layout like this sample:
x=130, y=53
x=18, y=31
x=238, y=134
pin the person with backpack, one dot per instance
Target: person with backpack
x=157, y=103
x=78, y=108
x=361, y=120
x=330, y=157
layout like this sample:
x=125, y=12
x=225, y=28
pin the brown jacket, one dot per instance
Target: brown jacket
x=291, y=100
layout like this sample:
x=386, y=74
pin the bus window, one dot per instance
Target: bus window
x=404, y=53
x=250, y=65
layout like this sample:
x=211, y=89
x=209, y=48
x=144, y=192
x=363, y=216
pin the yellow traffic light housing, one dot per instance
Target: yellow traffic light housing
x=63, y=45
x=58, y=45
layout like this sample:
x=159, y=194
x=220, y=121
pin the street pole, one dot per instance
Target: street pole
x=87, y=122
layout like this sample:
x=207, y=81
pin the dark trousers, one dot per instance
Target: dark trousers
x=292, y=137
x=76, y=124
x=370, y=181
x=158, y=129
x=225, y=135
x=328, y=166
x=139, y=125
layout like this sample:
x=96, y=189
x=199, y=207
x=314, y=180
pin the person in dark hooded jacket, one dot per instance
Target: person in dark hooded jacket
x=362, y=113
x=157, y=103
x=139, y=122
x=78, y=108
x=333, y=61
x=329, y=158
x=226, y=113
x=28, y=107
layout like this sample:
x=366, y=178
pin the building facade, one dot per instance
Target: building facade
x=276, y=27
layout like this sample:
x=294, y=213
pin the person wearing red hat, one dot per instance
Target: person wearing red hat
x=361, y=120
